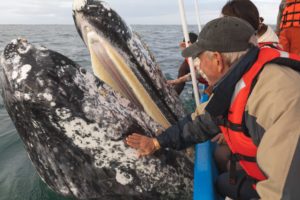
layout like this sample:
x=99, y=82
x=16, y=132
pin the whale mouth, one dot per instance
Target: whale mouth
x=110, y=66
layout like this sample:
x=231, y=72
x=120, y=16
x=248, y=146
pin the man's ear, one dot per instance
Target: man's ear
x=218, y=59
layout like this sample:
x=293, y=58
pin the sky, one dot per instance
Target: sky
x=133, y=11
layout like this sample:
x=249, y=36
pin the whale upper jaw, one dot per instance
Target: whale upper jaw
x=123, y=61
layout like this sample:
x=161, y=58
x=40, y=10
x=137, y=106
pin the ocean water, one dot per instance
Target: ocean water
x=18, y=178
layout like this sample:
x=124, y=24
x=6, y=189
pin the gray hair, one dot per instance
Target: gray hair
x=230, y=57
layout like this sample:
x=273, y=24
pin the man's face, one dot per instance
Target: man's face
x=211, y=66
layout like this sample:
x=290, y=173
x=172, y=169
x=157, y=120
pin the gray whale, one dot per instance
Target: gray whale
x=73, y=125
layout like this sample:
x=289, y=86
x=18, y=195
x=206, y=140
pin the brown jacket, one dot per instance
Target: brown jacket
x=274, y=113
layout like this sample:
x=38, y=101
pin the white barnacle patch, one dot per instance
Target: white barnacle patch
x=48, y=96
x=63, y=113
x=24, y=49
x=24, y=72
x=73, y=188
x=43, y=52
x=45, y=96
x=143, y=55
x=17, y=95
x=35, y=124
x=83, y=134
x=106, y=6
x=86, y=109
x=87, y=82
x=138, y=188
x=16, y=60
x=14, y=75
x=64, y=190
x=123, y=177
x=55, y=150
x=22, y=96
x=52, y=104
x=14, y=41
x=27, y=97
x=109, y=14
x=43, y=48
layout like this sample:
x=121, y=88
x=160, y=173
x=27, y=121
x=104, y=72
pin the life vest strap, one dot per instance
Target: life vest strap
x=234, y=158
x=290, y=13
x=221, y=121
x=239, y=157
x=232, y=171
x=292, y=3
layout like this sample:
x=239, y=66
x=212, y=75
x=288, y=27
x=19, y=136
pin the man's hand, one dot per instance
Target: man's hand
x=219, y=139
x=145, y=145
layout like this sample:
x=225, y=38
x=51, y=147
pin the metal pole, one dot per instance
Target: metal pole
x=190, y=60
x=197, y=14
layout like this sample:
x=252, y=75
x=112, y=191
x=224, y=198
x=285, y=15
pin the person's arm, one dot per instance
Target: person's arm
x=183, y=70
x=188, y=132
x=179, y=80
x=183, y=134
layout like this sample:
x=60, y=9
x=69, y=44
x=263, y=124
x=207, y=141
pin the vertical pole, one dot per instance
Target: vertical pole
x=190, y=60
x=197, y=14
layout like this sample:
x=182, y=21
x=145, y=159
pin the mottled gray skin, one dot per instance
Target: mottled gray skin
x=74, y=136
x=97, y=16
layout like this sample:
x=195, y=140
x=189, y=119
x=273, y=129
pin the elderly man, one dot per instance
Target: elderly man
x=257, y=112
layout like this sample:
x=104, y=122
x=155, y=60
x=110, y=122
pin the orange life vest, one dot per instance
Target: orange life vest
x=233, y=127
x=291, y=14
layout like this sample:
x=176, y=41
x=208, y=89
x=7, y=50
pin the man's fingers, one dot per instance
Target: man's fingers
x=134, y=140
x=214, y=139
x=133, y=143
x=134, y=137
x=142, y=143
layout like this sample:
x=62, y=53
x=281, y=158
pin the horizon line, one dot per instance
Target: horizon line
x=129, y=24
